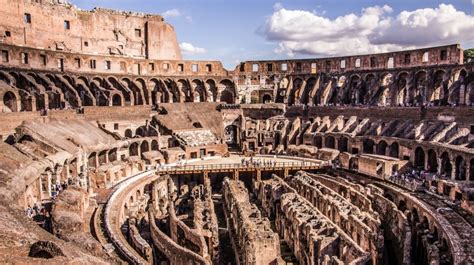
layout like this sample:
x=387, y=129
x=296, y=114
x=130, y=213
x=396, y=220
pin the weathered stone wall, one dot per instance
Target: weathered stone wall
x=99, y=31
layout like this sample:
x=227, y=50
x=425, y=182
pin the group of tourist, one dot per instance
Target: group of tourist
x=40, y=214
x=413, y=179
x=257, y=162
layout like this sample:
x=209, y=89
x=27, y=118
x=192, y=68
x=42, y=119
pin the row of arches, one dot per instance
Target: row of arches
x=405, y=88
x=38, y=91
x=444, y=163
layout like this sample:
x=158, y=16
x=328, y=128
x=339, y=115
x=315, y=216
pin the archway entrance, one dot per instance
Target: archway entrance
x=266, y=99
x=446, y=166
x=432, y=161
x=9, y=100
x=232, y=137
x=419, y=158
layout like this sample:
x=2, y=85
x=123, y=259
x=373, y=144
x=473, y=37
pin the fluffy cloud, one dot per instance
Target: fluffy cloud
x=171, y=13
x=188, y=48
x=374, y=30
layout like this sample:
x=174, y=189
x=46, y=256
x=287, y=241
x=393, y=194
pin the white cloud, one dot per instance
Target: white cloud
x=374, y=30
x=188, y=48
x=171, y=13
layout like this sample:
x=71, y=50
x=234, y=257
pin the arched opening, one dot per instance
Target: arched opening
x=154, y=145
x=266, y=99
x=460, y=168
x=343, y=144
x=368, y=146
x=231, y=136
x=144, y=147
x=228, y=92
x=133, y=149
x=9, y=101
x=446, y=166
x=394, y=150
x=432, y=161
x=128, y=133
x=92, y=160
x=103, y=157
x=330, y=142
x=419, y=158
x=382, y=148
x=113, y=155
x=116, y=100
x=140, y=131
x=318, y=141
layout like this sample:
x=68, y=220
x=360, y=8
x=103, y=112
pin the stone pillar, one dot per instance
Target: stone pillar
x=259, y=175
x=286, y=172
x=40, y=181
x=49, y=184
x=236, y=175
x=206, y=179
x=453, y=169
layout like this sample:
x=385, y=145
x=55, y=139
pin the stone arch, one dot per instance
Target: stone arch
x=432, y=161
x=382, y=148
x=368, y=146
x=419, y=158
x=135, y=91
x=394, y=150
x=310, y=83
x=318, y=141
x=200, y=91
x=142, y=86
x=460, y=163
x=144, y=147
x=172, y=87
x=113, y=155
x=117, y=100
x=330, y=142
x=154, y=145
x=159, y=93
x=185, y=90
x=140, y=131
x=128, y=133
x=228, y=93
x=127, y=94
x=92, y=160
x=343, y=144
x=133, y=149
x=10, y=102
x=295, y=91
x=103, y=157
x=211, y=88
x=266, y=98
x=446, y=166
x=436, y=91
x=402, y=87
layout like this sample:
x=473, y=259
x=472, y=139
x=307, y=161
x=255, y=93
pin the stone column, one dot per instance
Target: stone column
x=49, y=184
x=453, y=169
x=259, y=175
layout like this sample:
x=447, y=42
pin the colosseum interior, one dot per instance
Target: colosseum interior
x=115, y=150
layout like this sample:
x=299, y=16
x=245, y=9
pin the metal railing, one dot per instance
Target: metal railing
x=238, y=166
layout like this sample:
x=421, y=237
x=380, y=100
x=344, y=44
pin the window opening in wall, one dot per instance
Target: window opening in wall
x=314, y=68
x=61, y=64
x=407, y=58
x=298, y=67
x=357, y=63
x=151, y=67
x=123, y=66
x=269, y=67
x=92, y=64
x=24, y=58
x=77, y=62
x=27, y=18
x=242, y=67
x=443, y=55
x=138, y=33
x=254, y=67
x=108, y=65
x=284, y=67
x=43, y=59
x=181, y=67
x=86, y=43
x=390, y=62
x=194, y=68
x=426, y=57
x=343, y=64
x=8, y=34
x=116, y=126
x=137, y=69
x=166, y=66
x=67, y=24
x=5, y=56
x=373, y=62
x=208, y=68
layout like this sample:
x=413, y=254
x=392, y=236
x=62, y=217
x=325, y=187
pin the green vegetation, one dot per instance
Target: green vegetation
x=469, y=55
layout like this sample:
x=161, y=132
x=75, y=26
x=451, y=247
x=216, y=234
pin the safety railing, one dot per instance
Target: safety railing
x=238, y=166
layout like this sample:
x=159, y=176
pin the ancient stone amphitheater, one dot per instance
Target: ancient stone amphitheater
x=115, y=150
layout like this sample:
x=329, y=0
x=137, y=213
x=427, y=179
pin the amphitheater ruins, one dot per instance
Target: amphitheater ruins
x=115, y=150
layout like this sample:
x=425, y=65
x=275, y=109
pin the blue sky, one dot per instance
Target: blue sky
x=233, y=31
